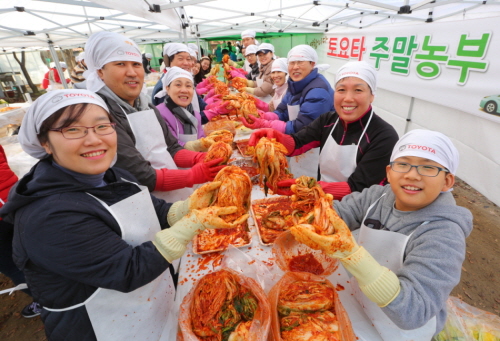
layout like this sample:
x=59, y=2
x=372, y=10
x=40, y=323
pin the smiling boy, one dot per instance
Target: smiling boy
x=411, y=244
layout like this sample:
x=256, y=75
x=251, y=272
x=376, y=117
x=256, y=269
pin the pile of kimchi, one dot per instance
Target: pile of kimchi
x=306, y=312
x=235, y=190
x=222, y=309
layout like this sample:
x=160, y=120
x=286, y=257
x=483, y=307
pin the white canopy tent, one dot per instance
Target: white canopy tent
x=68, y=23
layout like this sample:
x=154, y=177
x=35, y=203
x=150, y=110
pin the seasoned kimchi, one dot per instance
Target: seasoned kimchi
x=234, y=191
x=273, y=166
x=222, y=309
x=306, y=312
x=219, y=150
x=309, y=197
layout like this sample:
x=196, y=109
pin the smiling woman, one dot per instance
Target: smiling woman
x=94, y=244
x=184, y=122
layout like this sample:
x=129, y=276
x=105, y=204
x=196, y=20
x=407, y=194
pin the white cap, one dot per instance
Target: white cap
x=171, y=49
x=105, y=47
x=361, y=70
x=173, y=73
x=250, y=49
x=265, y=46
x=193, y=54
x=43, y=108
x=193, y=46
x=80, y=57
x=427, y=144
x=280, y=64
x=302, y=53
x=248, y=34
x=148, y=55
x=63, y=65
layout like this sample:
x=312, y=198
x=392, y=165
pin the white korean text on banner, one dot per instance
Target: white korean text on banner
x=454, y=64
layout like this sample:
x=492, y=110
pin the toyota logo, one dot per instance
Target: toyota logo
x=57, y=99
x=120, y=52
x=403, y=147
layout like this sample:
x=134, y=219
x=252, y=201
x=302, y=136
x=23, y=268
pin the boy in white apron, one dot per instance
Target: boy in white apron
x=411, y=244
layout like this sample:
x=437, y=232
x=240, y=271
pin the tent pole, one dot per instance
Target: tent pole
x=56, y=61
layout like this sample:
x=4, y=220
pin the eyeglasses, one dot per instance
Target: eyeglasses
x=424, y=170
x=78, y=132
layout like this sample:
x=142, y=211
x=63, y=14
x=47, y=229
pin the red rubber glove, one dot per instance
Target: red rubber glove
x=187, y=158
x=282, y=138
x=337, y=189
x=284, y=187
x=204, y=171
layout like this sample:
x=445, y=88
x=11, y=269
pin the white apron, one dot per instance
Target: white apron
x=307, y=163
x=195, y=103
x=143, y=313
x=187, y=137
x=388, y=249
x=336, y=162
x=150, y=142
x=268, y=98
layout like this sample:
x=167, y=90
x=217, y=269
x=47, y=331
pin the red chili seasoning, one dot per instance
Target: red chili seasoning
x=306, y=263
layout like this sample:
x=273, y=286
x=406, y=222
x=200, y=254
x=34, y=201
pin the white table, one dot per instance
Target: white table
x=260, y=266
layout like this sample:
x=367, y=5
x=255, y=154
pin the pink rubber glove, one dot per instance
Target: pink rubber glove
x=261, y=104
x=216, y=111
x=204, y=171
x=282, y=138
x=213, y=99
x=202, y=90
x=186, y=158
x=270, y=116
x=203, y=83
x=210, y=94
x=257, y=122
x=263, y=123
x=236, y=73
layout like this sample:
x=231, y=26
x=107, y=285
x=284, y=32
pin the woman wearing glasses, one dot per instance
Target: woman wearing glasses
x=94, y=245
x=355, y=144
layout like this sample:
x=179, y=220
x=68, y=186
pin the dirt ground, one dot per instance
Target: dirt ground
x=478, y=285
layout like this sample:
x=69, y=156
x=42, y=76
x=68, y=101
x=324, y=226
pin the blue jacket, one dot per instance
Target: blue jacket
x=315, y=97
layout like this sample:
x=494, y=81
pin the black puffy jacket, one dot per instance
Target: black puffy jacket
x=68, y=244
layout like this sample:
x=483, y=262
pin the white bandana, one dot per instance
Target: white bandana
x=430, y=145
x=280, y=64
x=248, y=34
x=250, y=49
x=173, y=73
x=80, y=57
x=171, y=49
x=302, y=53
x=361, y=70
x=103, y=48
x=43, y=108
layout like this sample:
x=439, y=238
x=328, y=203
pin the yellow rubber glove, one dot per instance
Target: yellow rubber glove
x=249, y=90
x=201, y=198
x=251, y=83
x=200, y=145
x=171, y=242
x=377, y=282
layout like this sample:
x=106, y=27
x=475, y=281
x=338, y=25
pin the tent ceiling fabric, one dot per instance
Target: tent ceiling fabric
x=69, y=22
